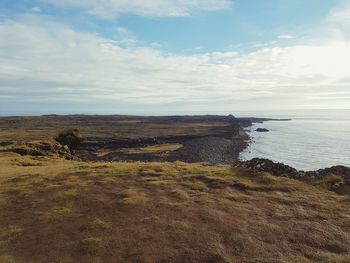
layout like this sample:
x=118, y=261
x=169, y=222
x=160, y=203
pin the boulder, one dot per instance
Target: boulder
x=70, y=138
x=262, y=130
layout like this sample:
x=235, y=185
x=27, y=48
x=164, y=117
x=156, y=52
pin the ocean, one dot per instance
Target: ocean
x=311, y=140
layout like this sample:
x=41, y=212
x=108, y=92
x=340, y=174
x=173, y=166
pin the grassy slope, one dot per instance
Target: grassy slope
x=54, y=210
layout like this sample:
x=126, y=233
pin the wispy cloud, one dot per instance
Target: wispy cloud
x=36, y=9
x=285, y=37
x=341, y=14
x=149, y=8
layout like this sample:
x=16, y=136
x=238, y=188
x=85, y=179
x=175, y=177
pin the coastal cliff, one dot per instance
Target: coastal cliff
x=133, y=190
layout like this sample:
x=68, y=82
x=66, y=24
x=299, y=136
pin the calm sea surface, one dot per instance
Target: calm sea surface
x=311, y=140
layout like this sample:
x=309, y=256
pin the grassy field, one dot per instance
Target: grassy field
x=108, y=127
x=161, y=150
x=54, y=210
x=137, y=138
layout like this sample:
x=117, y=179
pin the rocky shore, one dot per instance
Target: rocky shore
x=221, y=144
x=215, y=150
x=335, y=178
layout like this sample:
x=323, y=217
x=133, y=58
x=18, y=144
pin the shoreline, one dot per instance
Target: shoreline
x=205, y=138
x=307, y=144
x=215, y=139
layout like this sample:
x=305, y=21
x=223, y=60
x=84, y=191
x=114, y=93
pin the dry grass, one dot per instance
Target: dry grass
x=53, y=210
x=116, y=127
x=131, y=197
x=159, y=150
x=154, y=149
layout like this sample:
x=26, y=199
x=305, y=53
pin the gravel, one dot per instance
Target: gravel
x=215, y=150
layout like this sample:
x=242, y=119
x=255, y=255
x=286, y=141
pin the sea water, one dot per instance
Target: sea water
x=311, y=140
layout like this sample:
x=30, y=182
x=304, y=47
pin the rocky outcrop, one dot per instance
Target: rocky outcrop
x=42, y=148
x=334, y=170
x=336, y=178
x=70, y=138
x=262, y=130
x=6, y=143
x=265, y=165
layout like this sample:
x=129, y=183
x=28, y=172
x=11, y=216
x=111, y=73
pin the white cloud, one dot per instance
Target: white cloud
x=36, y=9
x=125, y=37
x=285, y=37
x=150, y=8
x=43, y=62
x=341, y=14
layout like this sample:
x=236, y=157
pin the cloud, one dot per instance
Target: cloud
x=125, y=37
x=285, y=37
x=150, y=8
x=36, y=9
x=340, y=14
x=52, y=63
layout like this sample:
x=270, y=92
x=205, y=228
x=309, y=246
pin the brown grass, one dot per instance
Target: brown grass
x=54, y=210
x=116, y=127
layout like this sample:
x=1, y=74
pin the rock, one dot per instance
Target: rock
x=336, y=178
x=334, y=170
x=6, y=143
x=262, y=130
x=211, y=149
x=70, y=138
x=41, y=148
x=265, y=165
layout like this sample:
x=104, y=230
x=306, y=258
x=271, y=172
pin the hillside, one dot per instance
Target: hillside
x=125, y=195
x=56, y=210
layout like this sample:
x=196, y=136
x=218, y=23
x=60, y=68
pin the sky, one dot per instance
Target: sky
x=173, y=56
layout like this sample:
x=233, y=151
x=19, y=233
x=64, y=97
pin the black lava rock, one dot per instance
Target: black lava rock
x=262, y=130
